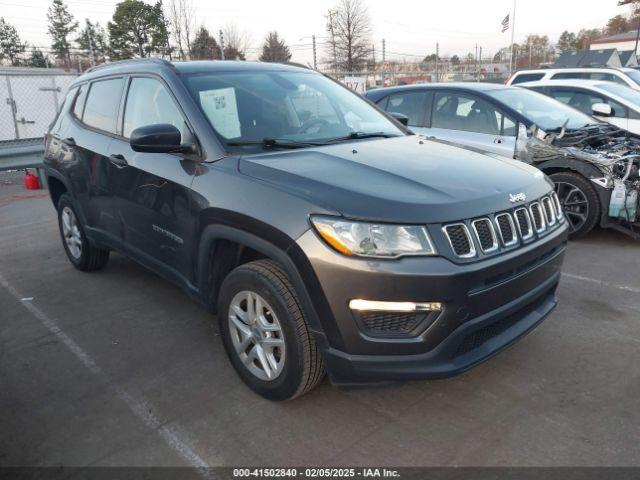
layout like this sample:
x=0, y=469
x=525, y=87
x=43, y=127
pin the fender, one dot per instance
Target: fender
x=291, y=258
x=586, y=169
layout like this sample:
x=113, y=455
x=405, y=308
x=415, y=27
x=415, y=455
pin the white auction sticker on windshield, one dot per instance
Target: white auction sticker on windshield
x=222, y=109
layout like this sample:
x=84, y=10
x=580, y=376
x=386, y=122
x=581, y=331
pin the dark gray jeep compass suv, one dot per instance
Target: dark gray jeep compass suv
x=323, y=233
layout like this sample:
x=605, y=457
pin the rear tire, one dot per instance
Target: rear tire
x=262, y=323
x=81, y=253
x=579, y=200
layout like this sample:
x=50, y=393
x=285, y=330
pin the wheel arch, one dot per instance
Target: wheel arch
x=222, y=247
x=587, y=170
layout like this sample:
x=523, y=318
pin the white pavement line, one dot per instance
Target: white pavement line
x=602, y=283
x=138, y=405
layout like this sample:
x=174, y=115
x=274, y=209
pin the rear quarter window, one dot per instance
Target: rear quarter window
x=569, y=75
x=103, y=103
x=61, y=120
x=527, y=77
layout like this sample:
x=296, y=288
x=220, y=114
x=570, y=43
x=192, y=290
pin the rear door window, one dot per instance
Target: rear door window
x=412, y=104
x=103, y=104
x=458, y=111
x=608, y=77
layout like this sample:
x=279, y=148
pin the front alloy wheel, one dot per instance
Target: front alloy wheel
x=265, y=332
x=574, y=204
x=579, y=200
x=257, y=335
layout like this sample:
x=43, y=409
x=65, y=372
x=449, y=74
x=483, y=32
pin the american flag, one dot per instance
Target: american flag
x=505, y=23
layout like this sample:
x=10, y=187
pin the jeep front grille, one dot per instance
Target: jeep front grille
x=523, y=219
x=460, y=240
x=507, y=229
x=558, y=207
x=549, y=211
x=485, y=234
x=504, y=230
x=538, y=220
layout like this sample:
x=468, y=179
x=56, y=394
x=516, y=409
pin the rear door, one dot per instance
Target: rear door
x=151, y=193
x=91, y=129
x=467, y=119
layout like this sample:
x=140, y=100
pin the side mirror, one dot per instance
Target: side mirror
x=158, y=138
x=403, y=119
x=602, y=109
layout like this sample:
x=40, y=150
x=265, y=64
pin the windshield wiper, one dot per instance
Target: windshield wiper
x=274, y=143
x=359, y=135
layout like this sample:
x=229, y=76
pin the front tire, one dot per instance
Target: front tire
x=579, y=200
x=79, y=250
x=265, y=333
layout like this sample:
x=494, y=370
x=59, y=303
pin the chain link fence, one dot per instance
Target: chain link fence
x=495, y=73
x=30, y=99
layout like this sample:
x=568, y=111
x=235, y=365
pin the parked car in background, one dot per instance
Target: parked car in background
x=610, y=102
x=624, y=76
x=306, y=219
x=594, y=165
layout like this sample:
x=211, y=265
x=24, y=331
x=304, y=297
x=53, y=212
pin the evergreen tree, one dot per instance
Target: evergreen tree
x=274, y=49
x=96, y=34
x=61, y=25
x=160, y=31
x=567, y=42
x=204, y=46
x=11, y=47
x=232, y=53
x=137, y=29
x=37, y=59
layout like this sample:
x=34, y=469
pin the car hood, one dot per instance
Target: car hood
x=404, y=179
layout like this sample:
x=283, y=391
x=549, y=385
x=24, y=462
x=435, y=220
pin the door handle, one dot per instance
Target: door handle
x=118, y=160
x=498, y=140
x=69, y=141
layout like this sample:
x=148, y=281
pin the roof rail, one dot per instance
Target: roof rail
x=158, y=61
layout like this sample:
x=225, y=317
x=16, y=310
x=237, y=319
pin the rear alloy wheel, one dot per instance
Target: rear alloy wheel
x=81, y=253
x=579, y=200
x=265, y=333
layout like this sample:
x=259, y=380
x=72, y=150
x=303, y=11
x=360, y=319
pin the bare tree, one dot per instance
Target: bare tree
x=181, y=15
x=349, y=29
x=236, y=42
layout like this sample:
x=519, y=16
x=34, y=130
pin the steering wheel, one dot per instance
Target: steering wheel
x=312, y=123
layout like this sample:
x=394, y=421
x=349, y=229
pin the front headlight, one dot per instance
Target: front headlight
x=373, y=239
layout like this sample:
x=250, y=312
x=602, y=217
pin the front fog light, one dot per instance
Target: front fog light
x=377, y=240
x=377, y=306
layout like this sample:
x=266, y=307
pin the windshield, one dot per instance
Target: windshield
x=302, y=107
x=545, y=112
x=629, y=94
x=633, y=75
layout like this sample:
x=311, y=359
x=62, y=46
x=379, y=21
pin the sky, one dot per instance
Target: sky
x=410, y=28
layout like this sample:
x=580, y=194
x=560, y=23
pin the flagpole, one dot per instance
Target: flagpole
x=513, y=31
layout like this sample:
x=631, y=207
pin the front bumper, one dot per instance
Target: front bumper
x=488, y=305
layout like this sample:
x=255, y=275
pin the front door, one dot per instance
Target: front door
x=584, y=100
x=472, y=121
x=151, y=190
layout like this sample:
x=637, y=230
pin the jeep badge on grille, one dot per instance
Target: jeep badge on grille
x=517, y=197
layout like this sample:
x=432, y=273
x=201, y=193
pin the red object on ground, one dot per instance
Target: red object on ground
x=31, y=182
